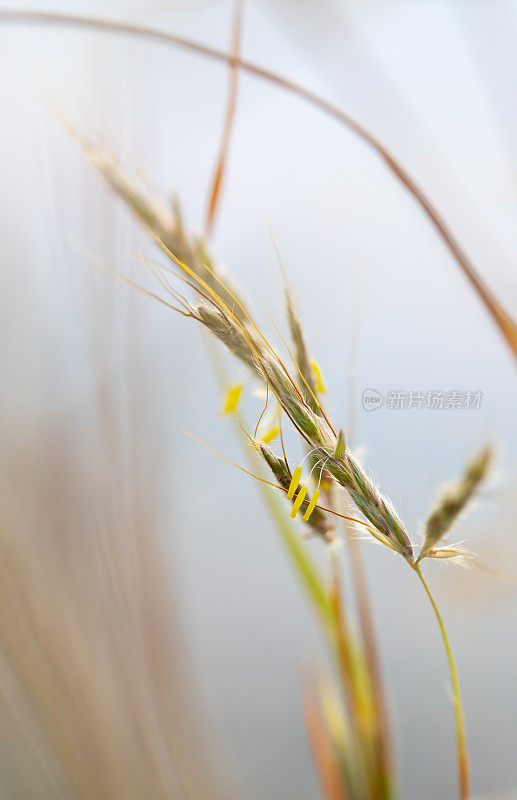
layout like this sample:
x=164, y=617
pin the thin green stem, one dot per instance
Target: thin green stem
x=461, y=735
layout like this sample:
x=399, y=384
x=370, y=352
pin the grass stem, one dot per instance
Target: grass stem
x=372, y=658
x=461, y=736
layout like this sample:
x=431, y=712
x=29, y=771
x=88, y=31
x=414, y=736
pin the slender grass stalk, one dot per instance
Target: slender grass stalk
x=322, y=747
x=461, y=735
x=506, y=324
x=372, y=660
x=214, y=194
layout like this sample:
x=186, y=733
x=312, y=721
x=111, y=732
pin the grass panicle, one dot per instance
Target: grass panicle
x=227, y=317
x=256, y=352
x=452, y=503
x=230, y=322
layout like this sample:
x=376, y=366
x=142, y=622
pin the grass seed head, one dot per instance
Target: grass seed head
x=307, y=386
x=386, y=525
x=454, y=500
x=229, y=334
x=303, y=418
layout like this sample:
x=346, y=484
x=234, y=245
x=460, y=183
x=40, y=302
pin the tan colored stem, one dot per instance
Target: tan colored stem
x=224, y=146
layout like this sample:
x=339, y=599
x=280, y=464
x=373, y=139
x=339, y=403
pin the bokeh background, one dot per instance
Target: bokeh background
x=383, y=302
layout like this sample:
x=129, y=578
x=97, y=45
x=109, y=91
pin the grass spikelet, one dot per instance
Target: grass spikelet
x=454, y=500
x=224, y=329
x=148, y=211
x=307, y=384
x=377, y=509
x=303, y=417
x=314, y=517
x=164, y=224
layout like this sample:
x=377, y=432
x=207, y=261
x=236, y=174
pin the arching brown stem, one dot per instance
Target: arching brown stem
x=503, y=320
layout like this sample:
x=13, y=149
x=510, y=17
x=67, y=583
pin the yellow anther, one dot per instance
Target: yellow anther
x=300, y=497
x=295, y=480
x=325, y=485
x=312, y=505
x=271, y=434
x=232, y=397
x=320, y=383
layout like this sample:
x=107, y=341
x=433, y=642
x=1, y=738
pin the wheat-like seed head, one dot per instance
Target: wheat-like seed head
x=164, y=223
x=385, y=525
x=454, y=501
x=227, y=317
x=228, y=333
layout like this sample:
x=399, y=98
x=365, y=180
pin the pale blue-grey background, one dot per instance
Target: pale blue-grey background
x=435, y=80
